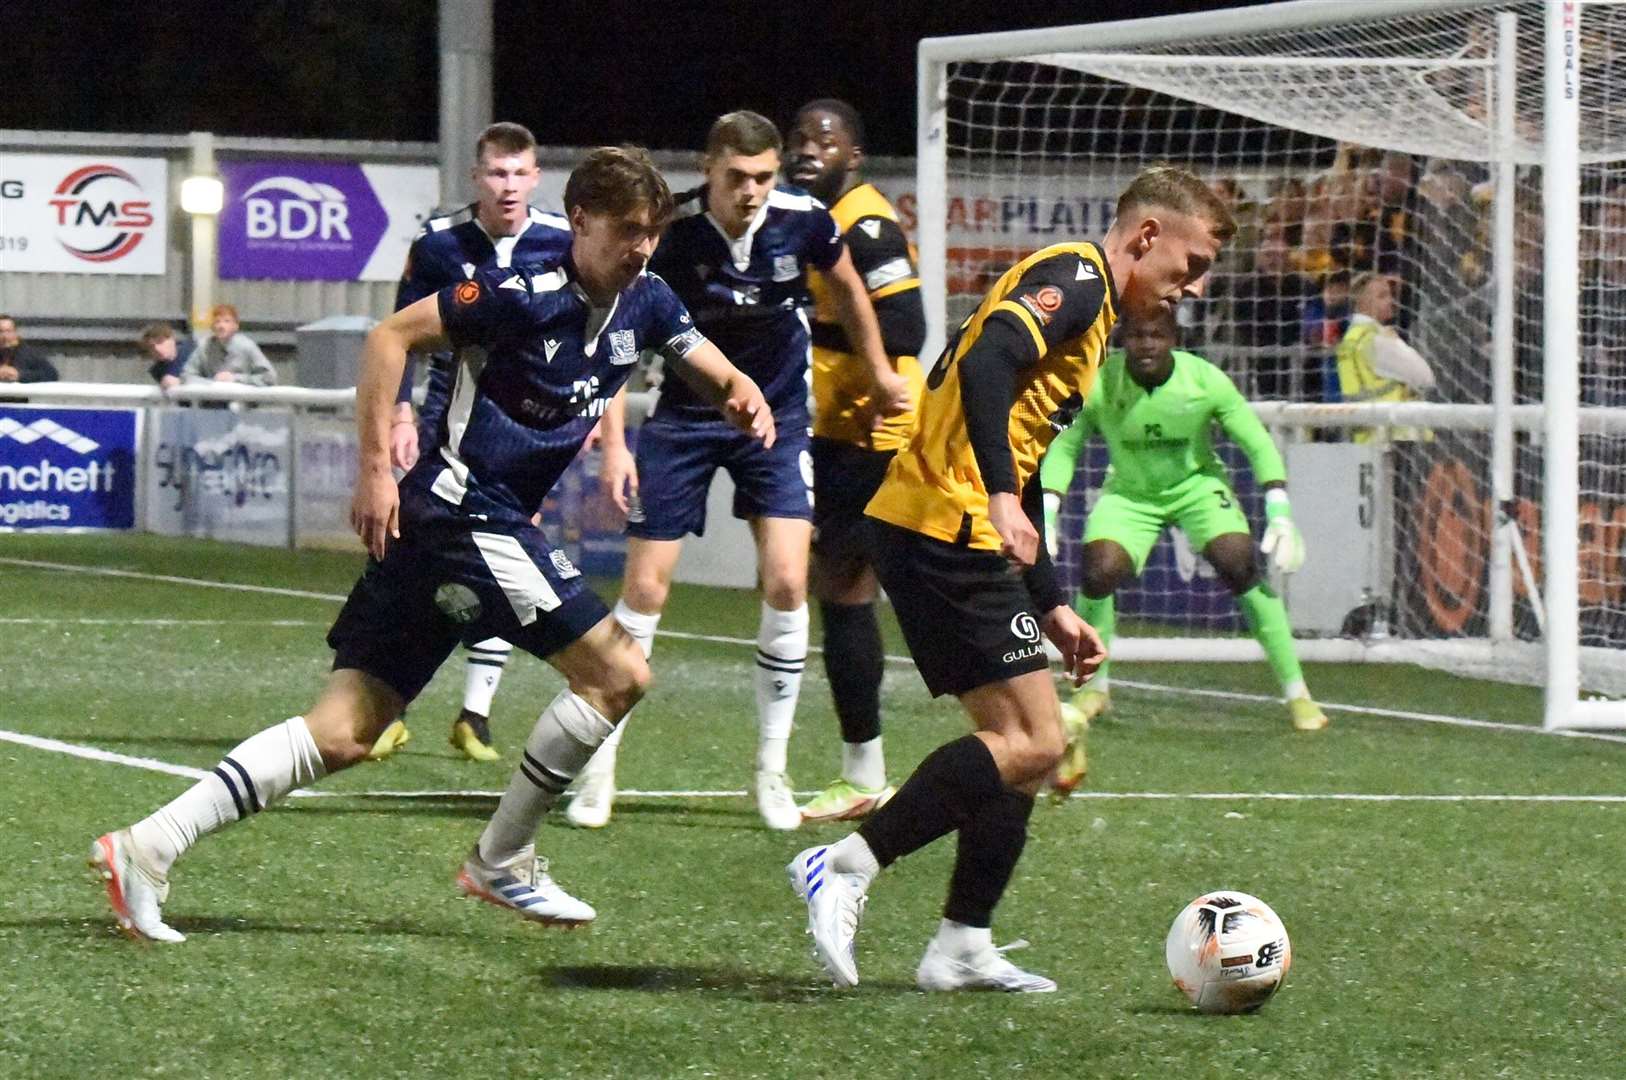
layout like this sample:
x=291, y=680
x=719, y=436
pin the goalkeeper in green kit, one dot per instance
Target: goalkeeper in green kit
x=1156, y=407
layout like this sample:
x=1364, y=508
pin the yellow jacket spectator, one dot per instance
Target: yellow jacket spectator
x=1374, y=364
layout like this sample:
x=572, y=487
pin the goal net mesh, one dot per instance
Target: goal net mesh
x=1366, y=147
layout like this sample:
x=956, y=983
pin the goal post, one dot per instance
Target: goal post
x=1389, y=136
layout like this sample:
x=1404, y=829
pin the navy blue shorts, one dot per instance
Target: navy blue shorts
x=450, y=578
x=677, y=459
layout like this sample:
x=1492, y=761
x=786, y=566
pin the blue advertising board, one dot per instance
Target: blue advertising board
x=65, y=468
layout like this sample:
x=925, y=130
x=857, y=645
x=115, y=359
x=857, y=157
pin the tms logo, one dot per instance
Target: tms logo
x=93, y=205
x=288, y=208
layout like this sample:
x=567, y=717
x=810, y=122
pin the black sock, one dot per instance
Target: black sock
x=854, y=664
x=990, y=844
x=949, y=789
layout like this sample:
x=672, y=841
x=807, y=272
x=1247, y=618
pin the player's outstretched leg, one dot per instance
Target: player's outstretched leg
x=591, y=805
x=855, y=665
x=471, y=731
x=134, y=863
x=607, y=674
x=503, y=868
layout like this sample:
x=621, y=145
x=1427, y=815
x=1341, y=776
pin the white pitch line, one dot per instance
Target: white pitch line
x=723, y=639
x=236, y=586
x=91, y=753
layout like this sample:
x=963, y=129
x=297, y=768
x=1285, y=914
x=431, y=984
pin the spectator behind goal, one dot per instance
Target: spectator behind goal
x=228, y=354
x=1374, y=364
x=169, y=354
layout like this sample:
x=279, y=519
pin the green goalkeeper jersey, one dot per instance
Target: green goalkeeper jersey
x=1158, y=439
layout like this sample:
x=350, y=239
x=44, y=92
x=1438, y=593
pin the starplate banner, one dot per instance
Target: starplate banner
x=67, y=468
x=79, y=214
x=321, y=220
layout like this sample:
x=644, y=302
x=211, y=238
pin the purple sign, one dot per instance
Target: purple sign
x=298, y=221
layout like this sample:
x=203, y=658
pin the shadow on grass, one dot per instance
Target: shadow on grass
x=218, y=924
x=660, y=979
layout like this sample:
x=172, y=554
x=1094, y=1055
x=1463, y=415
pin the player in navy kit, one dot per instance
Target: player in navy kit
x=500, y=228
x=738, y=253
x=540, y=352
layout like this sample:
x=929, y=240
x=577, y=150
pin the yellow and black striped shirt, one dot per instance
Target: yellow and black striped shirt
x=841, y=378
x=1062, y=298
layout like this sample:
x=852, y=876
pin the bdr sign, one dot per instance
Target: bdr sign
x=321, y=220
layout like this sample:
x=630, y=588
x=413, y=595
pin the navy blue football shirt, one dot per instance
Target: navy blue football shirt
x=748, y=295
x=535, y=366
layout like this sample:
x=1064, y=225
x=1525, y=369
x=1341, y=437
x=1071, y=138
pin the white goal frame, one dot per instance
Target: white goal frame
x=1558, y=421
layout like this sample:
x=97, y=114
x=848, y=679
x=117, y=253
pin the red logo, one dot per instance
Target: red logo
x=467, y=292
x=93, y=207
x=1048, y=298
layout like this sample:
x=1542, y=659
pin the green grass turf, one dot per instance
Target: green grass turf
x=1430, y=939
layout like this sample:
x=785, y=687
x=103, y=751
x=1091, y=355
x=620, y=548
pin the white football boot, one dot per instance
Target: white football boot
x=522, y=885
x=776, y=803
x=835, y=904
x=134, y=893
x=594, y=799
x=982, y=969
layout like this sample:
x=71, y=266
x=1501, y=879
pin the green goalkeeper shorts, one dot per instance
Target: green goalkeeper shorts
x=1202, y=507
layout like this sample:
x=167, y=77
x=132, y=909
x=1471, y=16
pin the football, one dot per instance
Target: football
x=1228, y=952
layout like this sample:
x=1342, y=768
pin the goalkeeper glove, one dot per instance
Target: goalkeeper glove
x=1052, y=511
x=1283, y=544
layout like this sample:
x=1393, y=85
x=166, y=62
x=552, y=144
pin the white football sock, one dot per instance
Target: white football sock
x=961, y=940
x=642, y=628
x=483, y=672
x=781, y=655
x=259, y=770
x=1295, y=689
x=863, y=765
x=565, y=736
x=852, y=855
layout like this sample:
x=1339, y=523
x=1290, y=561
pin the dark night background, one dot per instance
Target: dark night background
x=579, y=72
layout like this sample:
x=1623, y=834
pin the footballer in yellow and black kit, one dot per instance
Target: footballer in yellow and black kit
x=849, y=457
x=1014, y=375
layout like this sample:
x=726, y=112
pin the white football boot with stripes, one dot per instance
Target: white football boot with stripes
x=980, y=969
x=835, y=904
x=134, y=893
x=522, y=885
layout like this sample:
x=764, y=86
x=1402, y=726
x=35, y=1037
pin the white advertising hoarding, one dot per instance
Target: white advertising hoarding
x=79, y=214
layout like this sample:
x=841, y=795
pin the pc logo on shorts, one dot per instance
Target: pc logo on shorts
x=457, y=602
x=1025, y=627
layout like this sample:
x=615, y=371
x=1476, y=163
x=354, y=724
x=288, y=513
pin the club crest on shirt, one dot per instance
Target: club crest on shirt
x=467, y=292
x=623, y=347
x=561, y=562
x=785, y=268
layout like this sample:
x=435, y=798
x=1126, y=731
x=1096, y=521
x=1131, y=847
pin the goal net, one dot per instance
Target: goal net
x=1400, y=139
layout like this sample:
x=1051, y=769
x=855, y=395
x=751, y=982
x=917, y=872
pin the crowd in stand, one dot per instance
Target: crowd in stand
x=1283, y=302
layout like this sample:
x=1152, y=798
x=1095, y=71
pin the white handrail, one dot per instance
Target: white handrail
x=138, y=394
x=639, y=403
